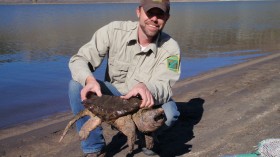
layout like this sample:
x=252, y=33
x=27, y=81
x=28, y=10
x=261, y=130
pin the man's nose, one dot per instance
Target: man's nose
x=154, y=17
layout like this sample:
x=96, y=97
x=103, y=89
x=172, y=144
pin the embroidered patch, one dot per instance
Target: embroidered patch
x=173, y=63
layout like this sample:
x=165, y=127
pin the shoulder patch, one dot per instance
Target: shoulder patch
x=173, y=63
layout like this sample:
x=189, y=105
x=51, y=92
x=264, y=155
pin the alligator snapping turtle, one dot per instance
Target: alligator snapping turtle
x=125, y=115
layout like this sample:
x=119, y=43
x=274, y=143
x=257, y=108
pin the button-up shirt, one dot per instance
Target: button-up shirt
x=157, y=66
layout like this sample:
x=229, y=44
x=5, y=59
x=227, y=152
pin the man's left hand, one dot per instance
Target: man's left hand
x=142, y=90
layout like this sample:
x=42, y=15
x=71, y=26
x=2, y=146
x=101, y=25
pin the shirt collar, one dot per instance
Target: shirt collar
x=133, y=37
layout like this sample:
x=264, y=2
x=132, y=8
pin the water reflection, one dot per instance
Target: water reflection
x=46, y=30
x=200, y=28
x=225, y=26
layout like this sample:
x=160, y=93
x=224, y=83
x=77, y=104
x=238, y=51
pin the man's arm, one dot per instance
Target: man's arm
x=91, y=53
x=165, y=73
x=157, y=89
x=163, y=79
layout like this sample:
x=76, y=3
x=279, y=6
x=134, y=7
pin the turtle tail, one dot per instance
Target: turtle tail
x=81, y=114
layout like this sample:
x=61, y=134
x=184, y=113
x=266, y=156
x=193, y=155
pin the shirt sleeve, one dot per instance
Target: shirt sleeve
x=91, y=54
x=165, y=75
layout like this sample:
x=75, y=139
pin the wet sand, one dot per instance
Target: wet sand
x=226, y=111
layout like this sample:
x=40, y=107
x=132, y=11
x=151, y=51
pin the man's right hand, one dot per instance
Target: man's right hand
x=91, y=85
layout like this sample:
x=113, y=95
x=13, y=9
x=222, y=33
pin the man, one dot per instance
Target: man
x=142, y=61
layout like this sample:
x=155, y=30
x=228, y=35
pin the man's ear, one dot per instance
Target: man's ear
x=167, y=17
x=138, y=10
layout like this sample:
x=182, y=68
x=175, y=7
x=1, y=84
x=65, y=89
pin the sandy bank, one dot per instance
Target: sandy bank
x=226, y=111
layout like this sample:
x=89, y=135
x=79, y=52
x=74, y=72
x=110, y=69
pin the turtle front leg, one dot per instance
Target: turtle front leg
x=126, y=125
x=81, y=114
x=149, y=141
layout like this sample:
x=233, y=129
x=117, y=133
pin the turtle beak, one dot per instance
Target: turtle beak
x=160, y=116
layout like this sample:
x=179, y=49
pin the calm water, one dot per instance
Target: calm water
x=36, y=42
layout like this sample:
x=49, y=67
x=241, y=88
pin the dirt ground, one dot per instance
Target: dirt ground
x=226, y=111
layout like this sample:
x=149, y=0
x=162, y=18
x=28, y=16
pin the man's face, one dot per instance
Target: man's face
x=152, y=21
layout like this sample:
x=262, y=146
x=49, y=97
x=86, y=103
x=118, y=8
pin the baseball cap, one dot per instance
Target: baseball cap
x=164, y=5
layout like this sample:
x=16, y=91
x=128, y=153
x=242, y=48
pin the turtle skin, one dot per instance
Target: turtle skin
x=124, y=115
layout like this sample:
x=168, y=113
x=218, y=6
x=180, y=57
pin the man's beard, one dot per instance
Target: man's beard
x=148, y=33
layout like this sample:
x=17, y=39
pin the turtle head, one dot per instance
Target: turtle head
x=149, y=120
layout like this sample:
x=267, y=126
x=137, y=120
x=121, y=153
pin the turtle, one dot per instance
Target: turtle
x=123, y=114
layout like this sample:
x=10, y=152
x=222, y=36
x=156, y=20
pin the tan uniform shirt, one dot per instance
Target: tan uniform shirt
x=157, y=66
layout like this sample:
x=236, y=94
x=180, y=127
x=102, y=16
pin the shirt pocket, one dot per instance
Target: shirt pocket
x=118, y=71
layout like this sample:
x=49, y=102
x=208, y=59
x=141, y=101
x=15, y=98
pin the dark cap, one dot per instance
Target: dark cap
x=164, y=5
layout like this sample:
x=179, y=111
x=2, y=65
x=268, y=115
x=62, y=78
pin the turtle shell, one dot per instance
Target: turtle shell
x=108, y=107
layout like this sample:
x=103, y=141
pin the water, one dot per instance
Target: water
x=36, y=42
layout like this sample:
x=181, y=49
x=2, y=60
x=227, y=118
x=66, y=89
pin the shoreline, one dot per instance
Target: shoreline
x=61, y=100
x=254, y=82
x=226, y=69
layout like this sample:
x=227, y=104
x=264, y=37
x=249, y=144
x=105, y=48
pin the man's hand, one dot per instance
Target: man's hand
x=91, y=85
x=142, y=90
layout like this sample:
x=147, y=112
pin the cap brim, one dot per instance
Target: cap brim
x=147, y=8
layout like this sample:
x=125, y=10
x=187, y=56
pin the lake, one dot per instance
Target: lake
x=36, y=42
